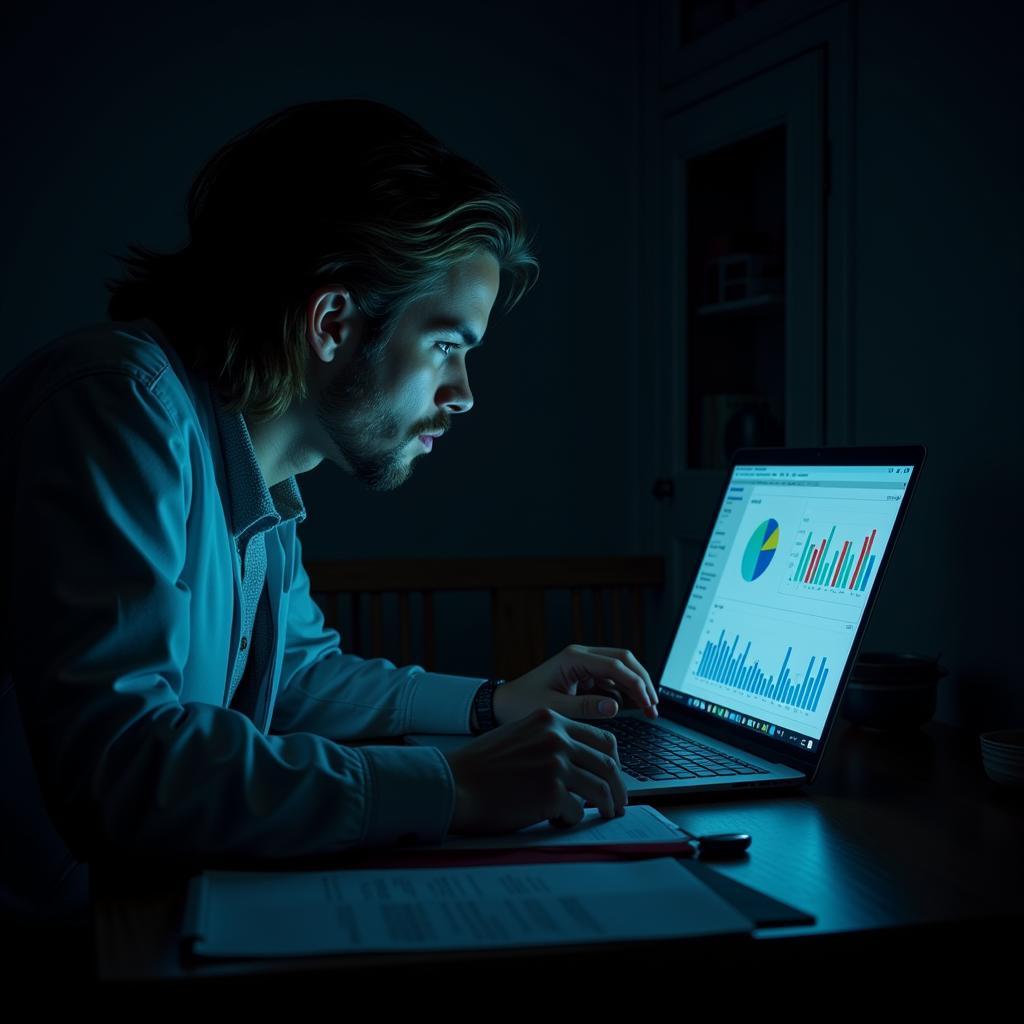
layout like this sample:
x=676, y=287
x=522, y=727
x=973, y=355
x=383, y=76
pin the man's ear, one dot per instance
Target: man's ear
x=331, y=321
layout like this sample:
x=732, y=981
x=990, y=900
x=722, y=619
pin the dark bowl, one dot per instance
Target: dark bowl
x=891, y=691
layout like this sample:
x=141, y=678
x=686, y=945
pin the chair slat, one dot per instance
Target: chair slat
x=376, y=627
x=429, y=643
x=355, y=642
x=405, y=626
x=638, y=627
x=600, y=638
x=616, y=618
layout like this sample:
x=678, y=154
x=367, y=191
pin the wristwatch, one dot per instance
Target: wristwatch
x=483, y=705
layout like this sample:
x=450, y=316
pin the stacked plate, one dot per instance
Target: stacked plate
x=1002, y=754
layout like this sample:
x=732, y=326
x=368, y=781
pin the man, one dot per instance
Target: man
x=168, y=676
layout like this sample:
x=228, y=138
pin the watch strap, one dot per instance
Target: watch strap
x=483, y=705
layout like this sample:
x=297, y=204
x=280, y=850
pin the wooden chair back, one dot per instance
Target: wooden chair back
x=612, y=589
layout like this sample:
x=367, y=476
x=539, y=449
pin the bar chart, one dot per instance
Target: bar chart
x=836, y=565
x=720, y=662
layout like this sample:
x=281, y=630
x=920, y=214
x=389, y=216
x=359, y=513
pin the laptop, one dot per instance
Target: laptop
x=770, y=629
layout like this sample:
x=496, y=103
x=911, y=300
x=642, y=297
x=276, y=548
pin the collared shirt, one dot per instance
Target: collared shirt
x=132, y=530
x=252, y=510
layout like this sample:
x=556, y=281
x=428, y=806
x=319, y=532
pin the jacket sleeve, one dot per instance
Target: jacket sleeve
x=344, y=696
x=100, y=633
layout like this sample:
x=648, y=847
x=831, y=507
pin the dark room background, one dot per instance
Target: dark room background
x=111, y=109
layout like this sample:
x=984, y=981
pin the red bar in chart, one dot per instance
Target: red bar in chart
x=810, y=564
x=860, y=559
x=814, y=561
x=839, y=563
x=864, y=552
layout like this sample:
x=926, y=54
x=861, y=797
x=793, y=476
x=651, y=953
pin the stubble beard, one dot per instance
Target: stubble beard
x=353, y=412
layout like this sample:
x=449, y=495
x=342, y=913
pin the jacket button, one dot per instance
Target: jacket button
x=245, y=643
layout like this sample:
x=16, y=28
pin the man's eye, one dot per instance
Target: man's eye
x=449, y=345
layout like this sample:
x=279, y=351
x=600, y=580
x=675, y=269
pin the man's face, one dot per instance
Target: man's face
x=375, y=410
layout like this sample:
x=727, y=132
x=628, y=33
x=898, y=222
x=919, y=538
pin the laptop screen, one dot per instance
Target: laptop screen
x=781, y=592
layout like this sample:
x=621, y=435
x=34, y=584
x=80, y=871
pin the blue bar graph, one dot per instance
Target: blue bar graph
x=719, y=662
x=867, y=573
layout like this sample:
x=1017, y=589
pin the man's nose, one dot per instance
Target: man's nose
x=455, y=395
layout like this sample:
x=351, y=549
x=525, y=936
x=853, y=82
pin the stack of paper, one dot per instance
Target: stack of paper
x=279, y=914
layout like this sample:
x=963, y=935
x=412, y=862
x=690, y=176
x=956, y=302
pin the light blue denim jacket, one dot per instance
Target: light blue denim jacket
x=122, y=613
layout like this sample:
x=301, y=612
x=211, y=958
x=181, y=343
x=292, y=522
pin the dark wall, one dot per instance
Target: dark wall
x=939, y=331
x=110, y=115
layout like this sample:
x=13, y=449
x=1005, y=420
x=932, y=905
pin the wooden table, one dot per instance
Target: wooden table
x=902, y=843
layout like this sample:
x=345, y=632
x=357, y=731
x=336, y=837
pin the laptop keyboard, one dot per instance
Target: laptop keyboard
x=649, y=753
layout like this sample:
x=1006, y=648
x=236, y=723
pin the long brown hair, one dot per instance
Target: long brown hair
x=347, y=191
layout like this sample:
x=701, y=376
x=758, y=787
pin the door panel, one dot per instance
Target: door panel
x=742, y=284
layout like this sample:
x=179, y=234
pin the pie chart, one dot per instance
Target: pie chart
x=760, y=550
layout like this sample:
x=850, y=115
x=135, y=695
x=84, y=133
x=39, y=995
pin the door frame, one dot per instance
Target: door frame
x=666, y=85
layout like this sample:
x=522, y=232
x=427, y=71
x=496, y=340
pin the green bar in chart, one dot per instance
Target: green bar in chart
x=820, y=574
x=831, y=570
x=803, y=559
x=846, y=568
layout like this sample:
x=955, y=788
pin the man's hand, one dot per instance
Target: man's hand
x=579, y=682
x=542, y=766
